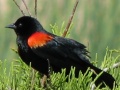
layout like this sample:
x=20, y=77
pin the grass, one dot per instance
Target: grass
x=23, y=77
x=19, y=76
x=96, y=24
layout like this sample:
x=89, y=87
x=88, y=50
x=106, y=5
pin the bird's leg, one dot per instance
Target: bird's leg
x=49, y=72
x=49, y=68
x=46, y=78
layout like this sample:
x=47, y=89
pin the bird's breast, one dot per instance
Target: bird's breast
x=22, y=44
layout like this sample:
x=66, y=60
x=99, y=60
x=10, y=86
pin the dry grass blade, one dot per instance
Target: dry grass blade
x=32, y=80
x=70, y=20
x=26, y=7
x=19, y=7
x=116, y=65
x=36, y=8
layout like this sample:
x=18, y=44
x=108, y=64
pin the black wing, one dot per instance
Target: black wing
x=63, y=52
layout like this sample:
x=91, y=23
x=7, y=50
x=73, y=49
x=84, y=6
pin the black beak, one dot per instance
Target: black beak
x=12, y=26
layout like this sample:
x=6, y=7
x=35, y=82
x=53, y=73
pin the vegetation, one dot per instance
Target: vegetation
x=96, y=24
x=23, y=77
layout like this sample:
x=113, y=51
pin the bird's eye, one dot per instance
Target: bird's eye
x=20, y=25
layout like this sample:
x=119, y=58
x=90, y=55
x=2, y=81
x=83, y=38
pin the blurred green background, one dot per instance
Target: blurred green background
x=96, y=23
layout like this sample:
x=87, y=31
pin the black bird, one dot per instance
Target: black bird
x=37, y=46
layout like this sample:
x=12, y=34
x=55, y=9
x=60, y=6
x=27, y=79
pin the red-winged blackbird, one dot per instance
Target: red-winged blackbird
x=37, y=46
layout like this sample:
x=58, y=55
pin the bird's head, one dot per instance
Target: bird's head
x=25, y=26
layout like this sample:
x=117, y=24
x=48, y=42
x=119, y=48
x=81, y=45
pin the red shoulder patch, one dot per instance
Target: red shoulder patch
x=38, y=39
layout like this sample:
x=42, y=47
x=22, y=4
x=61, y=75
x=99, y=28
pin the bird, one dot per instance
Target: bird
x=37, y=46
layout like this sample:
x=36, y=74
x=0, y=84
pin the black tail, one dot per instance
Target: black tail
x=104, y=78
